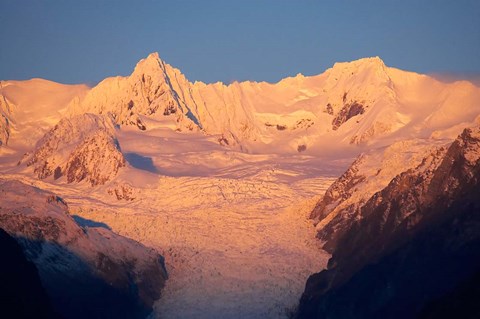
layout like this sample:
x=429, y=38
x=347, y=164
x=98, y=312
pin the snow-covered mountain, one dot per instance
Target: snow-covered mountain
x=87, y=271
x=386, y=237
x=82, y=147
x=170, y=162
x=343, y=111
x=359, y=102
x=353, y=103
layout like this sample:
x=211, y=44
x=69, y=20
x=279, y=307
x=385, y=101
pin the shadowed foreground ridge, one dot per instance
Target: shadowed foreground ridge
x=415, y=242
x=21, y=293
x=87, y=272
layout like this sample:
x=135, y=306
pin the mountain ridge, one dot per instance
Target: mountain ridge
x=243, y=112
x=361, y=102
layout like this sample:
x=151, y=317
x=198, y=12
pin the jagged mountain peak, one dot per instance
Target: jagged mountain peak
x=153, y=64
x=364, y=72
x=152, y=90
x=152, y=56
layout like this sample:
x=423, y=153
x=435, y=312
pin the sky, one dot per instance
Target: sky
x=264, y=40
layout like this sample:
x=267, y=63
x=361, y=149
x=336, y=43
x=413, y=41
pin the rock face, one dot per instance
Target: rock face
x=346, y=113
x=80, y=148
x=461, y=301
x=409, y=243
x=21, y=292
x=87, y=272
x=368, y=174
x=4, y=130
x=5, y=114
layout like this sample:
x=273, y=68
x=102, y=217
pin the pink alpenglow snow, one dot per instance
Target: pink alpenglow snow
x=246, y=189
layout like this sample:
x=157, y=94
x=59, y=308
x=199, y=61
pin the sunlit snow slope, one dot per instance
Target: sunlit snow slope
x=29, y=108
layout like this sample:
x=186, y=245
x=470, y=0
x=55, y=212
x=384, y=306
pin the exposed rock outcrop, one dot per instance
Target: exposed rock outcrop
x=81, y=148
x=123, y=192
x=5, y=114
x=348, y=111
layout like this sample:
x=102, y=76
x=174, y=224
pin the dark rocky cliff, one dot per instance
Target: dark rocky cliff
x=409, y=244
x=21, y=292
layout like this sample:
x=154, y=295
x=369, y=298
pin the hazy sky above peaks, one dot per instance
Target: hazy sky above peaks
x=86, y=41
